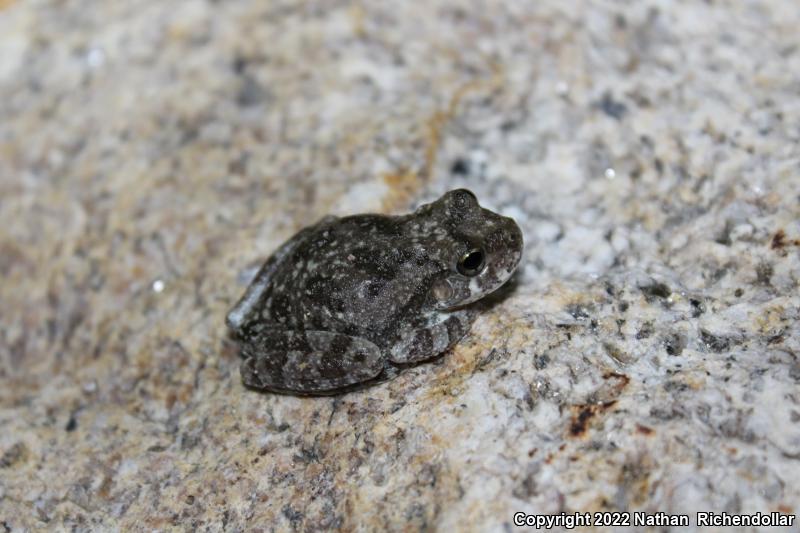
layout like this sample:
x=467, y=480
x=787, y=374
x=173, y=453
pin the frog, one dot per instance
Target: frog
x=354, y=300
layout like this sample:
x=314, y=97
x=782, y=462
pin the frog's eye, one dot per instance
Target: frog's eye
x=463, y=197
x=472, y=262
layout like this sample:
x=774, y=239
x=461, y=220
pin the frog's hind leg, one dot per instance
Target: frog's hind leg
x=308, y=362
x=415, y=344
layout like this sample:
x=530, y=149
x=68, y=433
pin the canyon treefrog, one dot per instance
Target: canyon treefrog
x=351, y=300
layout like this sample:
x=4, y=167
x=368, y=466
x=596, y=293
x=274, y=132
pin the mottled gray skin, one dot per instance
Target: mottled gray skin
x=351, y=300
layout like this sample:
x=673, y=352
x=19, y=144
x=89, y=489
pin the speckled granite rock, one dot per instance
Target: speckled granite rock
x=646, y=358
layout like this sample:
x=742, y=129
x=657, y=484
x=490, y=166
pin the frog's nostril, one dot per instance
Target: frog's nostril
x=515, y=239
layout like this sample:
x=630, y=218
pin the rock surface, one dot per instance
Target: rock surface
x=646, y=357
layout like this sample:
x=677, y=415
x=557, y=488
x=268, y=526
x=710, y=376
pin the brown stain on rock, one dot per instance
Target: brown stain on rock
x=613, y=385
x=582, y=416
x=405, y=183
x=779, y=242
x=622, y=380
x=599, y=402
x=437, y=123
x=402, y=188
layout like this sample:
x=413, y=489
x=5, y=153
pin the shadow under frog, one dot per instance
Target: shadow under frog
x=351, y=301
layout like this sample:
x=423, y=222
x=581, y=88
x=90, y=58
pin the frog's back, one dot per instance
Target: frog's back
x=345, y=276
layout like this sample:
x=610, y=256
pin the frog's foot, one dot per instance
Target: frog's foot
x=423, y=342
x=308, y=362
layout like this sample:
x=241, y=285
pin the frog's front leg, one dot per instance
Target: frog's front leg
x=421, y=342
x=310, y=362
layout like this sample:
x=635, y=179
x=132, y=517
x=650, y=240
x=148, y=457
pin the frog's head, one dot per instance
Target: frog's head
x=477, y=249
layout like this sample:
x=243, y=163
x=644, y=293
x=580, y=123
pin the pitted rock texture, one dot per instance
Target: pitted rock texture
x=645, y=357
